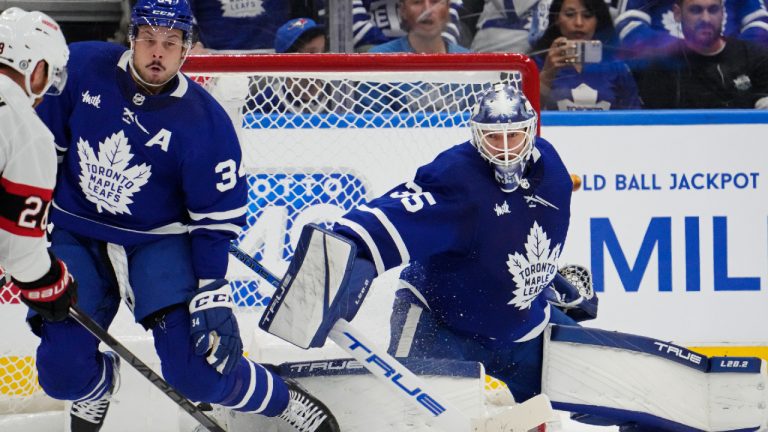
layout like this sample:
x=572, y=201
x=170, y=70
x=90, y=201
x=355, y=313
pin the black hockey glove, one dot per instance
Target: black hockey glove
x=51, y=295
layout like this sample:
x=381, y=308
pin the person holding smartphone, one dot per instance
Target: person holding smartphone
x=578, y=73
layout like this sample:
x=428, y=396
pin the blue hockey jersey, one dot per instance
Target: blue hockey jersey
x=649, y=25
x=378, y=21
x=479, y=258
x=603, y=86
x=240, y=24
x=136, y=167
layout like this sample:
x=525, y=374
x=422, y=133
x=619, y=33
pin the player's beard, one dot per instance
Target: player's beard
x=155, y=73
x=705, y=35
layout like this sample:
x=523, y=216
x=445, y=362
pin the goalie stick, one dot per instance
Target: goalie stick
x=517, y=418
x=185, y=404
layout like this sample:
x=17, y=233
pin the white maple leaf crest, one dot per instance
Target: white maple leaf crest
x=671, y=25
x=107, y=180
x=584, y=98
x=534, y=271
x=242, y=8
x=501, y=105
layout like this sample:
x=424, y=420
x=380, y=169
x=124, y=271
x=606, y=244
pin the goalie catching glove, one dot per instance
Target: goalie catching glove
x=52, y=294
x=213, y=326
x=326, y=281
x=571, y=292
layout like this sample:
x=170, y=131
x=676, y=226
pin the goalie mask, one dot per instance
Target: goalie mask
x=26, y=39
x=503, y=131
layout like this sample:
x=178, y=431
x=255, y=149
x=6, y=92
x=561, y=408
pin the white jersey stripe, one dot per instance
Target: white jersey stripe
x=366, y=237
x=100, y=386
x=251, y=387
x=405, y=256
x=218, y=215
x=174, y=228
x=268, y=395
x=217, y=227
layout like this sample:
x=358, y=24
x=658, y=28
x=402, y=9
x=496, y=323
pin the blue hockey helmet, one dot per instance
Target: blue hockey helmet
x=503, y=128
x=172, y=14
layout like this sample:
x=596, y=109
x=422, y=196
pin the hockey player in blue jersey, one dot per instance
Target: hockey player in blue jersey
x=469, y=224
x=150, y=194
x=481, y=229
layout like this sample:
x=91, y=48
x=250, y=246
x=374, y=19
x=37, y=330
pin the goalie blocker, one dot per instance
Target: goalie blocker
x=334, y=284
x=653, y=383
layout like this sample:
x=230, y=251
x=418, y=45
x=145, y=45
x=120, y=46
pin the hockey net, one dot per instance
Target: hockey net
x=320, y=134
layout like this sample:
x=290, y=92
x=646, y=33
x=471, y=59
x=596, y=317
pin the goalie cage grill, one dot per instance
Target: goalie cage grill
x=321, y=134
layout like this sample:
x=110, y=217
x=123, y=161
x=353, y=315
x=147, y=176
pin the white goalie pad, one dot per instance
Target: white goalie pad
x=361, y=404
x=620, y=376
x=319, y=269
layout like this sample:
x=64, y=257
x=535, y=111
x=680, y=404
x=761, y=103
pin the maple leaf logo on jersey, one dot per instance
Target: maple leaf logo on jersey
x=672, y=26
x=534, y=271
x=584, y=99
x=107, y=180
x=242, y=8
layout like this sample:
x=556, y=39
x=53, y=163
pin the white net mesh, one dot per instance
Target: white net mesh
x=315, y=145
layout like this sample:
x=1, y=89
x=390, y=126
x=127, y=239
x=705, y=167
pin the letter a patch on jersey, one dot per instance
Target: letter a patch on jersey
x=107, y=180
x=162, y=138
x=533, y=271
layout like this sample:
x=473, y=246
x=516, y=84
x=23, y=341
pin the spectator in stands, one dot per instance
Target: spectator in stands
x=229, y=25
x=425, y=21
x=540, y=19
x=648, y=28
x=567, y=83
x=293, y=95
x=706, y=70
x=503, y=26
x=375, y=22
x=301, y=35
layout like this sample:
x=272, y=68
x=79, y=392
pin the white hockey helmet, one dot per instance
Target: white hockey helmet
x=28, y=37
x=503, y=128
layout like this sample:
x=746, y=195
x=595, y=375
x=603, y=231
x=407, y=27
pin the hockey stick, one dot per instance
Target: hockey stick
x=408, y=386
x=185, y=404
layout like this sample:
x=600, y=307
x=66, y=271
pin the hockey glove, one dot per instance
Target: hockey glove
x=214, y=328
x=51, y=295
x=571, y=292
x=326, y=281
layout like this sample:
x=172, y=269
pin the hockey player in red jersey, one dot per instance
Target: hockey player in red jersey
x=33, y=58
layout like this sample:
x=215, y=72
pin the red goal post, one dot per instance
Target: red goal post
x=245, y=63
x=406, y=63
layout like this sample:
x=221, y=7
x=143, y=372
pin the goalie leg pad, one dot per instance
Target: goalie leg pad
x=324, y=282
x=416, y=332
x=651, y=382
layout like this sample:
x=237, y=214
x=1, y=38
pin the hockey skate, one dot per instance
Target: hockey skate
x=88, y=416
x=305, y=413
